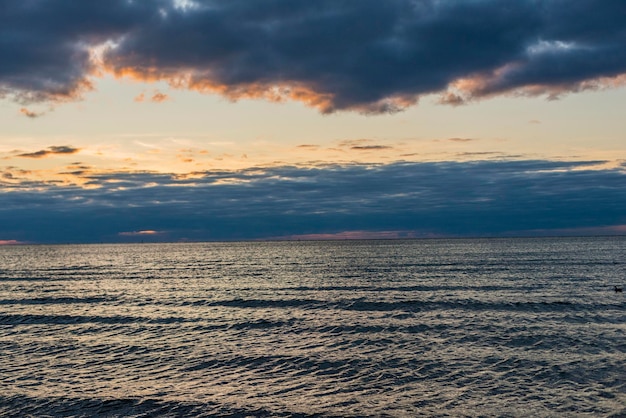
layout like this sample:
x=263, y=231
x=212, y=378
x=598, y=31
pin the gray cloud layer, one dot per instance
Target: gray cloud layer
x=368, y=55
x=477, y=198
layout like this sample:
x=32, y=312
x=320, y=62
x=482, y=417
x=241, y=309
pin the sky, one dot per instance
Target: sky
x=183, y=120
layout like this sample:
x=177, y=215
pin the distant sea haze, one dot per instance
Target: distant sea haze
x=476, y=327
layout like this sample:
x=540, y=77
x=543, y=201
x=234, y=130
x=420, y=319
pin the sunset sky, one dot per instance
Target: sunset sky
x=182, y=120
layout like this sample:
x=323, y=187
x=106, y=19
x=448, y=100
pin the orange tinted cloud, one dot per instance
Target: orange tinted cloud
x=451, y=99
x=9, y=242
x=363, y=145
x=277, y=92
x=372, y=57
x=497, y=82
x=460, y=139
x=370, y=147
x=63, y=149
x=140, y=233
x=159, y=97
x=29, y=113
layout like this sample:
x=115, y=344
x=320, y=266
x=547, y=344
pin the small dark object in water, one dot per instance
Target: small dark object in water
x=618, y=289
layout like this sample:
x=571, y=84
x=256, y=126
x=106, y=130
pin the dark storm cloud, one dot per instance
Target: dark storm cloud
x=445, y=198
x=366, y=55
x=44, y=44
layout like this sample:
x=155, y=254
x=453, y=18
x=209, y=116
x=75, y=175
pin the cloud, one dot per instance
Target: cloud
x=157, y=97
x=363, y=144
x=461, y=139
x=30, y=113
x=594, y=230
x=53, y=150
x=14, y=174
x=48, y=54
x=370, y=147
x=452, y=99
x=148, y=232
x=476, y=198
x=356, y=235
x=366, y=55
x=10, y=242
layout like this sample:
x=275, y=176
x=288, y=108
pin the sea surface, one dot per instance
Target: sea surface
x=482, y=327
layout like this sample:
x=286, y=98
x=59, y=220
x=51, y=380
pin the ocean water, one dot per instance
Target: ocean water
x=484, y=327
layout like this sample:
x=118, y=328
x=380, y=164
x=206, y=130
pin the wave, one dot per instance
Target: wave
x=413, y=329
x=58, y=300
x=414, y=305
x=23, y=406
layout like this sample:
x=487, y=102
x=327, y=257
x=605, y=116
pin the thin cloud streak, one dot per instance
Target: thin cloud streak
x=361, y=55
x=140, y=233
x=30, y=114
x=53, y=150
x=357, y=235
x=598, y=230
x=157, y=97
x=461, y=139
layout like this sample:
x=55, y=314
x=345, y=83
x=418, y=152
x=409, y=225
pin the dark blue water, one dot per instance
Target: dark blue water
x=493, y=327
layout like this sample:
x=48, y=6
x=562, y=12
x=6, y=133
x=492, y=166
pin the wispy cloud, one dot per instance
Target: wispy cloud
x=30, y=114
x=368, y=56
x=451, y=99
x=159, y=97
x=148, y=232
x=156, y=97
x=10, y=242
x=53, y=150
x=581, y=231
x=356, y=235
x=363, y=144
x=461, y=139
x=370, y=147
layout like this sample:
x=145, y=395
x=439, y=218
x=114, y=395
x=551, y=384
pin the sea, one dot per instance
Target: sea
x=523, y=327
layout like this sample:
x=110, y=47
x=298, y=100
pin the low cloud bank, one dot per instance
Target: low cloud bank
x=485, y=198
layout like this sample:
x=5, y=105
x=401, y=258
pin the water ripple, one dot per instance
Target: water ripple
x=435, y=328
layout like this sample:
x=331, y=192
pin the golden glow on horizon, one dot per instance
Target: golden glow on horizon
x=140, y=233
x=187, y=132
x=9, y=242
